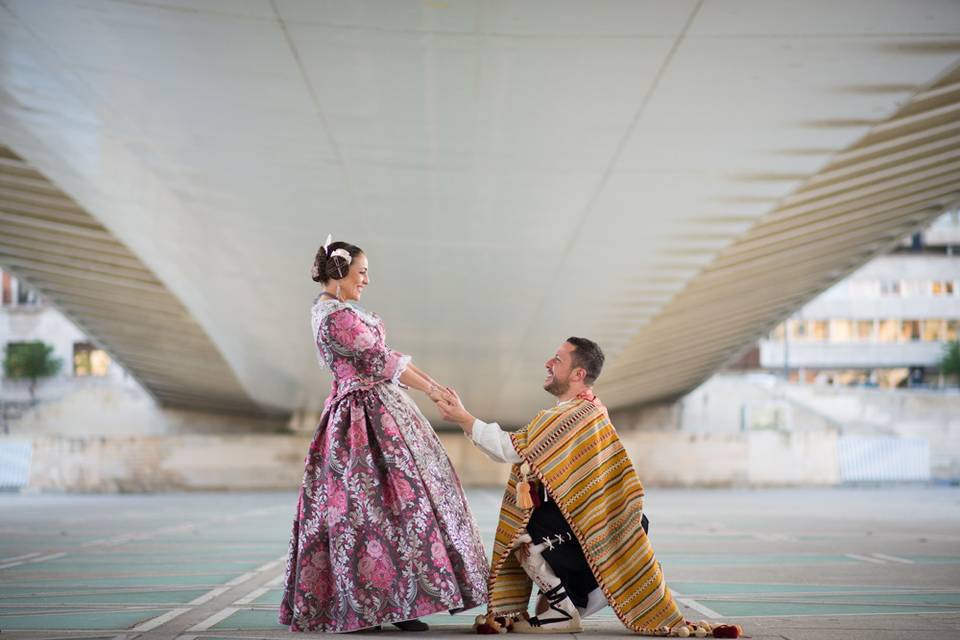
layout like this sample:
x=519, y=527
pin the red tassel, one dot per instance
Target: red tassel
x=535, y=494
x=727, y=631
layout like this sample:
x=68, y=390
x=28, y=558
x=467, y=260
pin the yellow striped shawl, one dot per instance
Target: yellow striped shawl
x=574, y=450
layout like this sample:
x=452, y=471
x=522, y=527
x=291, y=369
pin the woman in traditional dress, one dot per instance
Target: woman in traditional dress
x=383, y=532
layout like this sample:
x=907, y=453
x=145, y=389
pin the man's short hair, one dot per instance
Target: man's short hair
x=588, y=356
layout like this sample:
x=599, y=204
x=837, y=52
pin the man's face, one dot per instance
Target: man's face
x=560, y=370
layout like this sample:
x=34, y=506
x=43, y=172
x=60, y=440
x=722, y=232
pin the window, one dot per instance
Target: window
x=932, y=330
x=953, y=329
x=890, y=287
x=909, y=330
x=865, y=330
x=819, y=330
x=7, y=281
x=942, y=287
x=798, y=329
x=841, y=331
x=915, y=288
x=26, y=296
x=15, y=292
x=887, y=330
x=89, y=361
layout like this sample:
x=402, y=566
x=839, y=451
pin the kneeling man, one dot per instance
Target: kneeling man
x=572, y=515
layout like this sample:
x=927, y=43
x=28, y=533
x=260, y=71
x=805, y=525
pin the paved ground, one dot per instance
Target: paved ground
x=796, y=564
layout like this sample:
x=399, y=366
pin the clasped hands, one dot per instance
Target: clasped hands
x=449, y=403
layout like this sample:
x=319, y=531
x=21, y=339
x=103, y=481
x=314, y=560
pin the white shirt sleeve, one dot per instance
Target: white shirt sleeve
x=494, y=442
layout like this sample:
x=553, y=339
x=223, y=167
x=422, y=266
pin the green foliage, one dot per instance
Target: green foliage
x=30, y=361
x=950, y=363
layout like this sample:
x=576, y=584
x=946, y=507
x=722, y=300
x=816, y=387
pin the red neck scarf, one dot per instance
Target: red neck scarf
x=590, y=396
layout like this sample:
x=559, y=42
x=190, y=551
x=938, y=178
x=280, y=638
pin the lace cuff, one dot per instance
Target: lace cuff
x=401, y=365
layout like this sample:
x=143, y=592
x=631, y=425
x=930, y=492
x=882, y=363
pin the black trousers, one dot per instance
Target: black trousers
x=566, y=558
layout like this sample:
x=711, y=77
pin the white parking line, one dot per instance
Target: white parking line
x=705, y=610
x=240, y=579
x=253, y=595
x=774, y=537
x=855, y=556
x=23, y=557
x=153, y=623
x=214, y=619
x=269, y=565
x=276, y=581
x=12, y=564
x=52, y=556
x=209, y=595
x=884, y=556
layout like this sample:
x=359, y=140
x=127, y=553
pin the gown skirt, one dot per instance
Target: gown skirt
x=383, y=532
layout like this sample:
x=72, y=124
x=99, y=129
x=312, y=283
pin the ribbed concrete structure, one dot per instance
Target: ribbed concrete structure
x=62, y=251
x=900, y=176
x=668, y=177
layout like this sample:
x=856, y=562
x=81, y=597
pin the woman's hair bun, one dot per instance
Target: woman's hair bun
x=319, y=265
x=328, y=267
x=337, y=267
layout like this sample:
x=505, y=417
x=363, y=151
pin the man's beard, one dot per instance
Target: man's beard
x=557, y=387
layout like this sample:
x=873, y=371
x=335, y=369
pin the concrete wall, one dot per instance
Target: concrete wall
x=902, y=413
x=100, y=407
x=201, y=462
x=757, y=459
x=244, y=462
x=743, y=431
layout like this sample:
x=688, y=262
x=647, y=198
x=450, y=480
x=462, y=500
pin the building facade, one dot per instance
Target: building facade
x=25, y=316
x=885, y=325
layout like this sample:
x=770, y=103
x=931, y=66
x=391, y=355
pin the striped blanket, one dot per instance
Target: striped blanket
x=574, y=450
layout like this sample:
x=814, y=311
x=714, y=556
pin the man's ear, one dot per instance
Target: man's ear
x=579, y=374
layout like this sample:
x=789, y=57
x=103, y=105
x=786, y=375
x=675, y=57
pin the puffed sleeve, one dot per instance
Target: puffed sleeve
x=363, y=345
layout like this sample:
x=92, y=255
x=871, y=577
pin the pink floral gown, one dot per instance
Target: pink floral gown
x=383, y=532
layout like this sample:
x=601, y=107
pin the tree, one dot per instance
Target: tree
x=30, y=361
x=950, y=363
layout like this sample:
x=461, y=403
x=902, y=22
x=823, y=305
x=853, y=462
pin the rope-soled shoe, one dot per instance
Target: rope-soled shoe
x=560, y=617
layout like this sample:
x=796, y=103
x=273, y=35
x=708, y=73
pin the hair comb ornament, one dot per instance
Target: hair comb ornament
x=342, y=253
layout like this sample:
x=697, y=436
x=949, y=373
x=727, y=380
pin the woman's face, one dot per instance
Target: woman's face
x=351, y=287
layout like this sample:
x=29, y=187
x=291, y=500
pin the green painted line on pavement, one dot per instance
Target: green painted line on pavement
x=126, y=597
x=697, y=589
x=213, y=580
x=731, y=559
x=881, y=599
x=113, y=620
x=742, y=609
x=168, y=567
x=248, y=619
x=271, y=597
x=933, y=559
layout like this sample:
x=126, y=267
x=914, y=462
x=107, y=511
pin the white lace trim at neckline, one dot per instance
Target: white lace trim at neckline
x=323, y=306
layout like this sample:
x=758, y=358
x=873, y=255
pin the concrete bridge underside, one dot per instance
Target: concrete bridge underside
x=670, y=178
